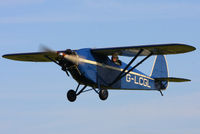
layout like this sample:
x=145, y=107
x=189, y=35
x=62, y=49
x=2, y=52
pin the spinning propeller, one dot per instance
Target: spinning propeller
x=68, y=55
x=65, y=59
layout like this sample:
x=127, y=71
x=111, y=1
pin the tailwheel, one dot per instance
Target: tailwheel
x=71, y=95
x=103, y=94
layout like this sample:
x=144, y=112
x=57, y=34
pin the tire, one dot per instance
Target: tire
x=103, y=94
x=71, y=95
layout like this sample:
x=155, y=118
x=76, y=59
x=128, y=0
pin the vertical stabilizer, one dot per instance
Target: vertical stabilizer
x=160, y=70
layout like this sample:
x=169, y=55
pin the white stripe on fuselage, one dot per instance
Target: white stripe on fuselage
x=79, y=59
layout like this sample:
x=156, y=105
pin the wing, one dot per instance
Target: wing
x=34, y=57
x=123, y=51
x=159, y=49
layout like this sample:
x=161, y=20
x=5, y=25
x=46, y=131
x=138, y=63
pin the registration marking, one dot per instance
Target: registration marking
x=138, y=80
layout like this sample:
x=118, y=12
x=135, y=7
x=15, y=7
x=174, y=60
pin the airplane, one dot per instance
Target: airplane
x=93, y=68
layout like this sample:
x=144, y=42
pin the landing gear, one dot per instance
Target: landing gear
x=71, y=95
x=103, y=94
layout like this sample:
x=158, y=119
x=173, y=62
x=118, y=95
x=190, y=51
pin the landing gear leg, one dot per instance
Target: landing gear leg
x=161, y=92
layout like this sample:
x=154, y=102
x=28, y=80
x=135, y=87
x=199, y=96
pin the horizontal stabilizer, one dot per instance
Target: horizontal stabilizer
x=173, y=79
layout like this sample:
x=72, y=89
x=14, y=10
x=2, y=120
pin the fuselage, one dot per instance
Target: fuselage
x=99, y=71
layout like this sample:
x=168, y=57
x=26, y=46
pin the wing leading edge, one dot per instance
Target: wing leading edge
x=159, y=49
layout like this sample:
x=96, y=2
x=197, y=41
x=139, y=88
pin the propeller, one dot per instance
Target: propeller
x=73, y=58
x=46, y=49
x=62, y=55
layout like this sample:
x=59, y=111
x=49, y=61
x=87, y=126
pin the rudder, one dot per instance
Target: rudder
x=160, y=70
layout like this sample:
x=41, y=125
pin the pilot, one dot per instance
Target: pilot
x=116, y=60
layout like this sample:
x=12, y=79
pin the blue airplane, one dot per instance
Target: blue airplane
x=92, y=67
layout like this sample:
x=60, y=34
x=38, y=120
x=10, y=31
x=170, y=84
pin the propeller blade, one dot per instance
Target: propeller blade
x=46, y=49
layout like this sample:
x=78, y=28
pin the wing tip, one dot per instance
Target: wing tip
x=189, y=48
x=182, y=48
x=185, y=80
x=192, y=48
x=5, y=56
x=9, y=56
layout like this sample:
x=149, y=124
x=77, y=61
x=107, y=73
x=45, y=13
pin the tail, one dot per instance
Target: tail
x=160, y=71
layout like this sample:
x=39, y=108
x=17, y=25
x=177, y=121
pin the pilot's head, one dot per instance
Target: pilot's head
x=115, y=58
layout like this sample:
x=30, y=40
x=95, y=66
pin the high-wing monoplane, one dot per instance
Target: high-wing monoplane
x=92, y=67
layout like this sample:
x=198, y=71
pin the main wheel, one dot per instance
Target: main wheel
x=103, y=94
x=71, y=95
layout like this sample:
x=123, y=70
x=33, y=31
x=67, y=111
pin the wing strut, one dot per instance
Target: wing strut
x=51, y=59
x=121, y=75
x=56, y=63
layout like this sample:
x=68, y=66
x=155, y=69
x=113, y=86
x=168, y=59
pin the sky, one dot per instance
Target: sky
x=33, y=95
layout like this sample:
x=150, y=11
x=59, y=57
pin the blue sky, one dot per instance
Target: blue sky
x=32, y=95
